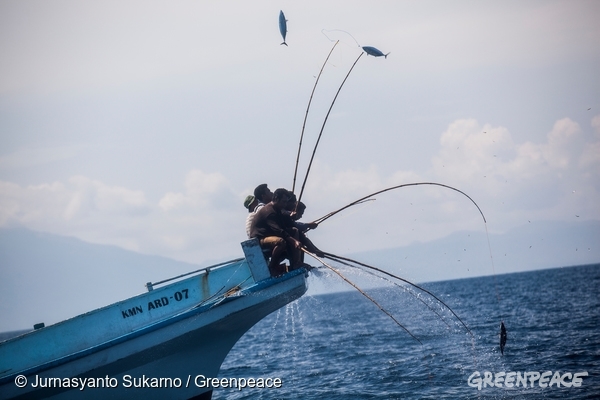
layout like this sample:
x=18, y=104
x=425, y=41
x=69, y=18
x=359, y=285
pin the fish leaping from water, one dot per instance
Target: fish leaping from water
x=372, y=51
x=282, y=26
x=503, y=337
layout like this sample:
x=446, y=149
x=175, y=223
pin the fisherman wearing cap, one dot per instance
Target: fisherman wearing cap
x=250, y=203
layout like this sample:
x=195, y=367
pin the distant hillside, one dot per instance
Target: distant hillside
x=467, y=254
x=47, y=278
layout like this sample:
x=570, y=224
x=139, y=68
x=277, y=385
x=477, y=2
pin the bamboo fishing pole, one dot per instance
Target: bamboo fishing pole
x=323, y=127
x=362, y=199
x=361, y=292
x=306, y=115
x=365, y=198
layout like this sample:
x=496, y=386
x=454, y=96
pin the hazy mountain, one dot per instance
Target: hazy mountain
x=466, y=254
x=47, y=278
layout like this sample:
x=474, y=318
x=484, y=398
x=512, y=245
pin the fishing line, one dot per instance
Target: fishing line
x=338, y=30
x=503, y=335
x=306, y=115
x=361, y=292
x=503, y=332
x=323, y=127
x=403, y=287
x=335, y=258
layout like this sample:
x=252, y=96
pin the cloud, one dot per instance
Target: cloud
x=32, y=205
x=89, y=196
x=520, y=179
x=201, y=190
x=590, y=159
x=512, y=181
x=469, y=150
x=533, y=177
x=81, y=207
x=204, y=221
x=77, y=207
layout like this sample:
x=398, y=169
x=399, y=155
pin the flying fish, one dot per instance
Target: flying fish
x=282, y=26
x=372, y=51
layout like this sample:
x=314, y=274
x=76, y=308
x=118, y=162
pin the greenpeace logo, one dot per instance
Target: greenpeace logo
x=525, y=379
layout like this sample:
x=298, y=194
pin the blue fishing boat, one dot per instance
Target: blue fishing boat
x=164, y=343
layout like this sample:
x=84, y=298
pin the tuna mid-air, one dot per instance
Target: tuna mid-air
x=372, y=51
x=282, y=26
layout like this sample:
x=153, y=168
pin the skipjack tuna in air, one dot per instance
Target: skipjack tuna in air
x=282, y=26
x=372, y=51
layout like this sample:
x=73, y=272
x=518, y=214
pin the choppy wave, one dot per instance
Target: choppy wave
x=341, y=346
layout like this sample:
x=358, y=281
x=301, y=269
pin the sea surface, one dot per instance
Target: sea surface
x=342, y=346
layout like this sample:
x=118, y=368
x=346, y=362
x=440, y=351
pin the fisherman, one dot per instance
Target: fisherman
x=262, y=195
x=296, y=210
x=297, y=214
x=250, y=203
x=272, y=228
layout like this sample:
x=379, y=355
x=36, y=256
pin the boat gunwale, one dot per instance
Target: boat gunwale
x=200, y=271
x=189, y=275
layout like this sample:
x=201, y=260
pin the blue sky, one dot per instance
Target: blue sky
x=144, y=124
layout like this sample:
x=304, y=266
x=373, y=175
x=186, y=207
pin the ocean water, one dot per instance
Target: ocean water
x=340, y=346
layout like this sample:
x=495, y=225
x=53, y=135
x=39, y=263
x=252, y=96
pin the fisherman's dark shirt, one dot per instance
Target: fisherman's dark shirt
x=268, y=221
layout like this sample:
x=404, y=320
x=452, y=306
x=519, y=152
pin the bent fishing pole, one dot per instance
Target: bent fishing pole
x=362, y=199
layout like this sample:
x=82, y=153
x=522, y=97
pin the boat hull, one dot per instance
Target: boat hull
x=180, y=349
